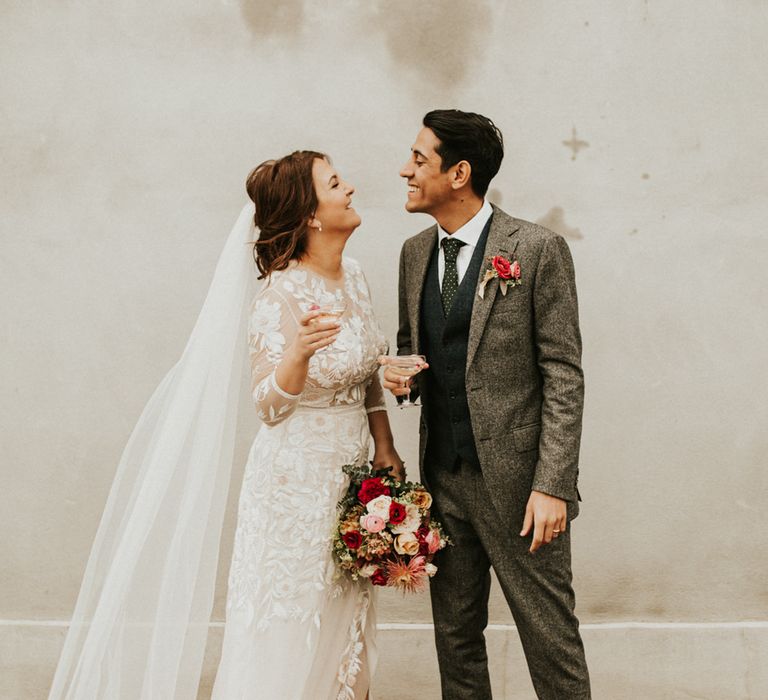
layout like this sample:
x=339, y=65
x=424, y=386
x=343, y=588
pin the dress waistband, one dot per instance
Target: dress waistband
x=338, y=408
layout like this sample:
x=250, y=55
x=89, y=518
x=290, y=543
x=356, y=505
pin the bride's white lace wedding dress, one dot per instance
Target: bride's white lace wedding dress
x=294, y=631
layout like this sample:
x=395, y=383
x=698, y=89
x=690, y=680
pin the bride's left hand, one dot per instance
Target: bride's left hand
x=388, y=457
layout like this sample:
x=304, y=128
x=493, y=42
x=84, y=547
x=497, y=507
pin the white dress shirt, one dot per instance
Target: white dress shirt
x=468, y=234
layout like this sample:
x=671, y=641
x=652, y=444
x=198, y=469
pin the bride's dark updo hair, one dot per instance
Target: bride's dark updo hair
x=285, y=198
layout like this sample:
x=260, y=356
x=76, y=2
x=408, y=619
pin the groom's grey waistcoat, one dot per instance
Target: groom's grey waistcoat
x=445, y=344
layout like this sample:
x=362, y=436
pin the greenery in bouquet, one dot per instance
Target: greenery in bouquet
x=385, y=531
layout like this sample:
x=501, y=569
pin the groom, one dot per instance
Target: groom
x=491, y=301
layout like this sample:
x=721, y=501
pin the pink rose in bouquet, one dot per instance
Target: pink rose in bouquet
x=372, y=523
x=433, y=541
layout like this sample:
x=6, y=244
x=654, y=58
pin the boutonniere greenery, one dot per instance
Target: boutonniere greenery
x=508, y=274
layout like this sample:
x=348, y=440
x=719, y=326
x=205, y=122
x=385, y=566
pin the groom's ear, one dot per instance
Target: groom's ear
x=461, y=174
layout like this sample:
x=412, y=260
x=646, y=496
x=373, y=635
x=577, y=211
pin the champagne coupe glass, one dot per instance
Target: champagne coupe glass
x=407, y=366
x=329, y=313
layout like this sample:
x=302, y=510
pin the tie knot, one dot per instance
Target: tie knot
x=451, y=247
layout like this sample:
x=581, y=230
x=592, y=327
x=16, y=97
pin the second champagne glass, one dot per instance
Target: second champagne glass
x=407, y=366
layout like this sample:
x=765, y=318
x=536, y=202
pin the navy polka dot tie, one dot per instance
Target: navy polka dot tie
x=451, y=274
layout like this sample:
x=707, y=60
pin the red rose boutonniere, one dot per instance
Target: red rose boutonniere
x=508, y=274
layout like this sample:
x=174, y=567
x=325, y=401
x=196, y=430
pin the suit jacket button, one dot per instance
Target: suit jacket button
x=452, y=395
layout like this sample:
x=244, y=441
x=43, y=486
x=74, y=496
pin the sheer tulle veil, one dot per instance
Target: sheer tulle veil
x=140, y=624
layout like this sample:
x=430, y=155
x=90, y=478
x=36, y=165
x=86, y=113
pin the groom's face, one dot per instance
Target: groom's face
x=428, y=188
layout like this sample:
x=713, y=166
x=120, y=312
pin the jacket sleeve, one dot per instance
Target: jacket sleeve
x=404, y=342
x=404, y=338
x=558, y=345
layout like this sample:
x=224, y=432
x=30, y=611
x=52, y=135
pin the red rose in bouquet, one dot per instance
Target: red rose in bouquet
x=379, y=578
x=371, y=488
x=397, y=513
x=353, y=539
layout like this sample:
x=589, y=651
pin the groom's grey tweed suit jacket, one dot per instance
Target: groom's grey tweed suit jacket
x=524, y=381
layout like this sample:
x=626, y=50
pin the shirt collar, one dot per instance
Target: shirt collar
x=470, y=232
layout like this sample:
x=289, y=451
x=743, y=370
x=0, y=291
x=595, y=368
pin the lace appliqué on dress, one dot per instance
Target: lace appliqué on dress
x=351, y=663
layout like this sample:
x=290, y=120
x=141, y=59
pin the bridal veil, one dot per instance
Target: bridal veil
x=141, y=621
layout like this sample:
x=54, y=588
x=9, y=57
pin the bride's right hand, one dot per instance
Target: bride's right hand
x=314, y=335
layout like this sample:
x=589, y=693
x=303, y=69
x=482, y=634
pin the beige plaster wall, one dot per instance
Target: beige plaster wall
x=126, y=135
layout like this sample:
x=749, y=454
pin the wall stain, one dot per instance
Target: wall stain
x=575, y=144
x=555, y=221
x=645, y=176
x=266, y=18
x=437, y=43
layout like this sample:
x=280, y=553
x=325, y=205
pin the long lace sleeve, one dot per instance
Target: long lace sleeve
x=271, y=328
x=374, y=395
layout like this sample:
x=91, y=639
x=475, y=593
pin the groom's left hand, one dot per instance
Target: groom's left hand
x=547, y=515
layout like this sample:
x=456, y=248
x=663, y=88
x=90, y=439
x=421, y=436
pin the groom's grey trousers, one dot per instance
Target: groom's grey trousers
x=537, y=588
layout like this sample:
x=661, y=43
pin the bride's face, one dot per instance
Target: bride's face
x=334, y=199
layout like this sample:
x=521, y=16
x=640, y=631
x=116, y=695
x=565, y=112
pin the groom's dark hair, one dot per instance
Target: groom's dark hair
x=471, y=137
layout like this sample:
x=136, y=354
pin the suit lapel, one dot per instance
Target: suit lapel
x=418, y=263
x=501, y=241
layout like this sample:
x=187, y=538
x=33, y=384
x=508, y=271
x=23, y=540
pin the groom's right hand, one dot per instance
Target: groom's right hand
x=398, y=381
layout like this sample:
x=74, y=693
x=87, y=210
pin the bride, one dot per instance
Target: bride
x=293, y=630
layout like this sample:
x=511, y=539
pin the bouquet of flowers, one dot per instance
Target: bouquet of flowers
x=384, y=531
